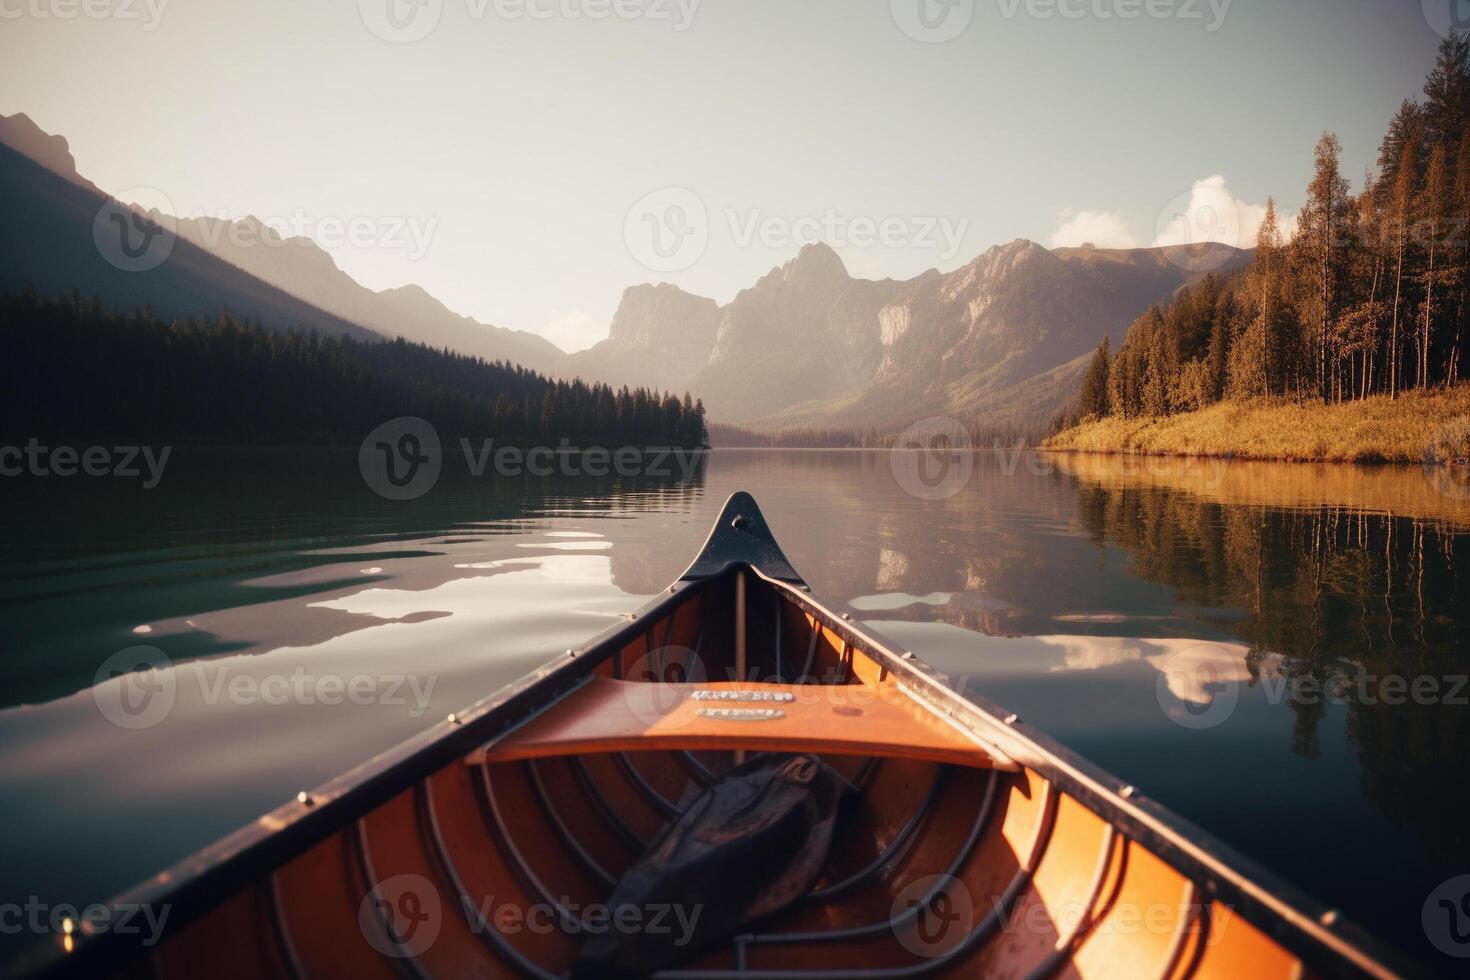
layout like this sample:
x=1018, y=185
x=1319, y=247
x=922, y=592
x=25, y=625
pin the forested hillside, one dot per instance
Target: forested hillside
x=72, y=368
x=1370, y=296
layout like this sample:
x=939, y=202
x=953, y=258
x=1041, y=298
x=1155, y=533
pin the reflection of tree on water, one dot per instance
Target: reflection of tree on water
x=1362, y=607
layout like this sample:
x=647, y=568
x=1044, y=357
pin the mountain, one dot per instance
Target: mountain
x=659, y=337
x=60, y=234
x=1002, y=341
x=19, y=132
x=999, y=342
x=252, y=270
x=303, y=268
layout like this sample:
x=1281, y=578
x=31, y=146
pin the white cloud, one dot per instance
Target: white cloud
x=1209, y=212
x=1105, y=229
x=574, y=330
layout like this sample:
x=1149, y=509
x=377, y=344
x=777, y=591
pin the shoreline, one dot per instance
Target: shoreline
x=1415, y=428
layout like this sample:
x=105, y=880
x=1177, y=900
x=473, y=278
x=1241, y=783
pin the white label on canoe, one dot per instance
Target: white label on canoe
x=703, y=695
x=742, y=714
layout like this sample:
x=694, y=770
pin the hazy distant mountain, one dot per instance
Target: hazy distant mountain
x=333, y=300
x=302, y=268
x=53, y=240
x=660, y=336
x=1001, y=341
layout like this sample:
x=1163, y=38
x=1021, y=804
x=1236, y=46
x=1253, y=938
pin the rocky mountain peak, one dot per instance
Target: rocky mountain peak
x=20, y=133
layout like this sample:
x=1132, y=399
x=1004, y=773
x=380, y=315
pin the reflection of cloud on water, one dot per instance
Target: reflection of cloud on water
x=1193, y=670
x=568, y=545
x=469, y=596
x=958, y=601
x=897, y=600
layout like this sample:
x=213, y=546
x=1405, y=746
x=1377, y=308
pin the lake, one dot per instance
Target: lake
x=1277, y=651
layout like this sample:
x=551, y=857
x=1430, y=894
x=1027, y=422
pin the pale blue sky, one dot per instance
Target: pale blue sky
x=511, y=148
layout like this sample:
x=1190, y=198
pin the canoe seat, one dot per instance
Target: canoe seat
x=607, y=715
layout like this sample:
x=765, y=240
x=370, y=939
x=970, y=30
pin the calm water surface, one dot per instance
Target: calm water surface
x=1229, y=637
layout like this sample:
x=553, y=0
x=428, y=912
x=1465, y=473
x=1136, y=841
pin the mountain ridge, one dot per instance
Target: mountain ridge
x=809, y=346
x=298, y=267
x=996, y=340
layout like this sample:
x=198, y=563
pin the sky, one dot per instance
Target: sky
x=527, y=160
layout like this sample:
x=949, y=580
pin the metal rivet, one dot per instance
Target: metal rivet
x=738, y=521
x=571, y=653
x=1012, y=719
x=908, y=655
x=846, y=616
x=304, y=798
x=453, y=718
x=1329, y=917
x=1127, y=792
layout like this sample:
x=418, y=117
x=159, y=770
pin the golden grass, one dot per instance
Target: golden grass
x=1429, y=493
x=1375, y=430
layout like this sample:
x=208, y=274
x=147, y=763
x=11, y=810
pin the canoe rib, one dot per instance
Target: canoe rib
x=613, y=716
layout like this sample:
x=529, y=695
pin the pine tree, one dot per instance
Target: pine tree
x=1094, y=397
x=1447, y=93
x=1398, y=215
x=1432, y=210
x=1321, y=240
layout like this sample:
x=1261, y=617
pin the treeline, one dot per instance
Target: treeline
x=734, y=437
x=1369, y=296
x=71, y=367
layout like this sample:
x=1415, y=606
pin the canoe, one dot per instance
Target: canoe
x=973, y=845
